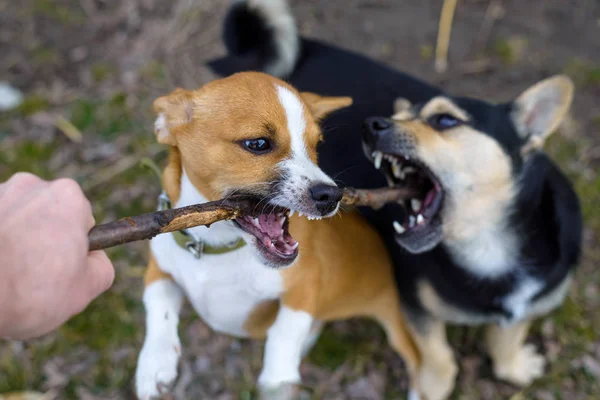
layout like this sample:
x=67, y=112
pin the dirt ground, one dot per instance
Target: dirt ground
x=89, y=70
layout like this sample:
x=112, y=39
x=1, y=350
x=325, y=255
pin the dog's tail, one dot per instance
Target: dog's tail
x=259, y=35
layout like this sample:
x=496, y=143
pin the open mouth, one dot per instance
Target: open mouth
x=420, y=225
x=273, y=239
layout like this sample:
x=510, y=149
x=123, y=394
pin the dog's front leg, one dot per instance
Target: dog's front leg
x=157, y=362
x=283, y=353
x=514, y=361
x=438, y=368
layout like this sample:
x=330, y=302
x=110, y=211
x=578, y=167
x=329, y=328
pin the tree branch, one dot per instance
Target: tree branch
x=147, y=226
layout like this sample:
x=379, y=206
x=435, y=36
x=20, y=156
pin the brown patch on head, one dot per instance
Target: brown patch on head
x=209, y=126
x=321, y=106
x=317, y=108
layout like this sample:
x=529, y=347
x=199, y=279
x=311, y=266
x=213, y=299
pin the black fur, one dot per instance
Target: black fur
x=547, y=214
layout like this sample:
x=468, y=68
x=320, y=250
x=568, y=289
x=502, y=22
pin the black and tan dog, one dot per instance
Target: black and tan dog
x=495, y=236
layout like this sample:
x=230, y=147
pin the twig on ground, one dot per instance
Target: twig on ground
x=443, y=39
x=68, y=129
x=146, y=226
x=122, y=165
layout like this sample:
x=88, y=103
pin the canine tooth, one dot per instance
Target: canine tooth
x=397, y=171
x=295, y=246
x=416, y=204
x=377, y=159
x=408, y=170
x=411, y=221
x=398, y=227
x=292, y=212
x=300, y=214
x=420, y=219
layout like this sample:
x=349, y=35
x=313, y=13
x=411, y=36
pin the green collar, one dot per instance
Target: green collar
x=186, y=240
x=199, y=248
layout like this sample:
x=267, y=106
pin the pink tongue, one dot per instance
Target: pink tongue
x=271, y=225
x=429, y=198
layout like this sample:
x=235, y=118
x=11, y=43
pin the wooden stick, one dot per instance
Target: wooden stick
x=146, y=226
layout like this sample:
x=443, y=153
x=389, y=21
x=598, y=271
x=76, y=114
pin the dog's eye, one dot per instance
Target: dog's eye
x=440, y=122
x=257, y=146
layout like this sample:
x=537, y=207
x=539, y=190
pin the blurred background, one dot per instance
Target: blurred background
x=85, y=72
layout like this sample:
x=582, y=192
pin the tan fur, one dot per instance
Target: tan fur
x=438, y=368
x=320, y=106
x=443, y=105
x=343, y=269
x=153, y=272
x=513, y=361
x=469, y=162
x=261, y=318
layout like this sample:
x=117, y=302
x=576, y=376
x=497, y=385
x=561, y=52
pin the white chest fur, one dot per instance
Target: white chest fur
x=222, y=288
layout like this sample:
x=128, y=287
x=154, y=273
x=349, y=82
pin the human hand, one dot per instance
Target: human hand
x=47, y=274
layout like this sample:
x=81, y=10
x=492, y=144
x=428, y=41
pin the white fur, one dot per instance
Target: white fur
x=160, y=126
x=222, y=288
x=279, y=18
x=300, y=172
x=283, y=349
x=518, y=302
x=157, y=362
x=489, y=254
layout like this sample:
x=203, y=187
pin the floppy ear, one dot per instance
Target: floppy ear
x=541, y=108
x=174, y=112
x=321, y=106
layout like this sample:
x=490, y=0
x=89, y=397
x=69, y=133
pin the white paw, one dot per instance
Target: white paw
x=157, y=367
x=526, y=366
x=437, y=381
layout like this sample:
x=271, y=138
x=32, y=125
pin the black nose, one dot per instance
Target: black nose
x=377, y=124
x=373, y=128
x=325, y=197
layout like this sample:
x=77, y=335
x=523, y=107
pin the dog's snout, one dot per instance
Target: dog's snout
x=374, y=127
x=325, y=197
x=377, y=124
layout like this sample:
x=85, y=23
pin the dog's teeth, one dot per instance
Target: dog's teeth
x=377, y=159
x=292, y=212
x=300, y=214
x=295, y=246
x=420, y=219
x=398, y=227
x=408, y=170
x=416, y=204
x=411, y=221
x=396, y=170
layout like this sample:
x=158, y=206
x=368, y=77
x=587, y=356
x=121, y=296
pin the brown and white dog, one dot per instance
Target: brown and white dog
x=254, y=135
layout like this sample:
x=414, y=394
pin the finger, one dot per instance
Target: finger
x=69, y=194
x=22, y=182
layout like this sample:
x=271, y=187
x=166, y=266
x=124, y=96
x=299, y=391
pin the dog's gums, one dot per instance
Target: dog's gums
x=272, y=234
x=401, y=170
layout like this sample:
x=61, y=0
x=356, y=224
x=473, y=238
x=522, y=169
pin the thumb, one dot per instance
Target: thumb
x=99, y=274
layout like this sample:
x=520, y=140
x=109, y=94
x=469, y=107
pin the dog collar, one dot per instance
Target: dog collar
x=188, y=241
